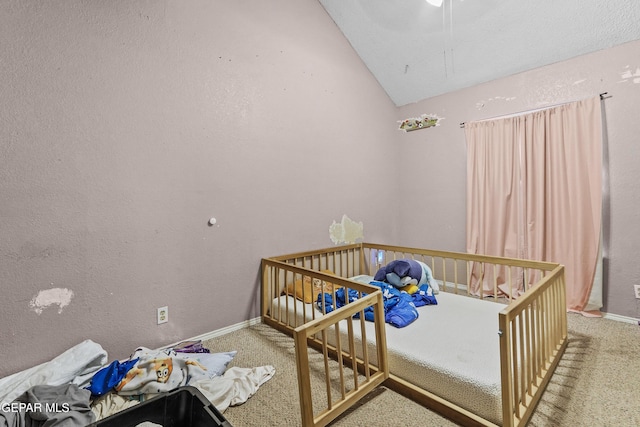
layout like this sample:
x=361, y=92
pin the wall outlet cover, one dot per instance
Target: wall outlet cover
x=163, y=315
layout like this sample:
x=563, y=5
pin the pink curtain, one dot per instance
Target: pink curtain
x=493, y=196
x=534, y=190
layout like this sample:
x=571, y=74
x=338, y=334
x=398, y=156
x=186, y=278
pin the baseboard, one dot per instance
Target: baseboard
x=619, y=318
x=219, y=332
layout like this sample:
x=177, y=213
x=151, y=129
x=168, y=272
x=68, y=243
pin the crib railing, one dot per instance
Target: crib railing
x=343, y=261
x=533, y=333
x=532, y=325
x=349, y=366
x=480, y=276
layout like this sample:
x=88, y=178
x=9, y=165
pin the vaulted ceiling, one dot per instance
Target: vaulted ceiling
x=417, y=50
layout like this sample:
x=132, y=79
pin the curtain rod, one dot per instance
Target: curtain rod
x=602, y=96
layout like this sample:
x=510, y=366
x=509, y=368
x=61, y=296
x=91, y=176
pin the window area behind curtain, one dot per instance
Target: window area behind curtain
x=534, y=190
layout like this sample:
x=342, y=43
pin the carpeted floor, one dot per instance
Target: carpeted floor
x=596, y=383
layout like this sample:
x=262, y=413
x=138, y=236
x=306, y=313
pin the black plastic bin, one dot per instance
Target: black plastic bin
x=184, y=407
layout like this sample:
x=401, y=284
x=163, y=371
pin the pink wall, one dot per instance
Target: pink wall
x=125, y=126
x=436, y=158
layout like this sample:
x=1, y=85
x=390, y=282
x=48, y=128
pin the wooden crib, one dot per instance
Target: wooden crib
x=352, y=357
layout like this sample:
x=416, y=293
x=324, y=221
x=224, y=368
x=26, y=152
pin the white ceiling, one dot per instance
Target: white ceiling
x=417, y=50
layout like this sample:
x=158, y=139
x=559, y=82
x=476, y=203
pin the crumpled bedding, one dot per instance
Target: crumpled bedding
x=112, y=403
x=400, y=304
x=236, y=386
x=400, y=308
x=232, y=388
x=70, y=374
x=76, y=365
x=157, y=371
x=65, y=405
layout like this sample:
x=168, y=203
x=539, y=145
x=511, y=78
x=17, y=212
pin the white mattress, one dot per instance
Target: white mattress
x=451, y=350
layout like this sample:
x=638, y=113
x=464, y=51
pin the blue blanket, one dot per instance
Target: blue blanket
x=399, y=307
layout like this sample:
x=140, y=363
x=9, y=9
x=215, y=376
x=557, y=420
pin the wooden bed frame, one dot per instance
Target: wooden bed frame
x=532, y=327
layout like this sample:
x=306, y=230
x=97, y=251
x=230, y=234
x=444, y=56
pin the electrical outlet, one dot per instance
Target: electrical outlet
x=163, y=314
x=637, y=289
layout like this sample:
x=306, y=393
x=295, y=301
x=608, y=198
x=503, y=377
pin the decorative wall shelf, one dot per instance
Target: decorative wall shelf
x=425, y=121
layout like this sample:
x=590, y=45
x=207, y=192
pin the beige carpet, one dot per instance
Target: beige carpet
x=597, y=382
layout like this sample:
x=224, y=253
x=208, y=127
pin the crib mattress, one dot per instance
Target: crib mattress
x=451, y=350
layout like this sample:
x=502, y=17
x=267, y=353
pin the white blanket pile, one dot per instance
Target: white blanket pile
x=80, y=363
x=76, y=365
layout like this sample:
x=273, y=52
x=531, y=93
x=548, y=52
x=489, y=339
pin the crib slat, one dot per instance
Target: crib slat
x=325, y=353
x=304, y=379
x=340, y=361
x=516, y=372
x=365, y=348
x=352, y=351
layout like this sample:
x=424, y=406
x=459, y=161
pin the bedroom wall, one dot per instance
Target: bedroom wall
x=125, y=126
x=434, y=160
